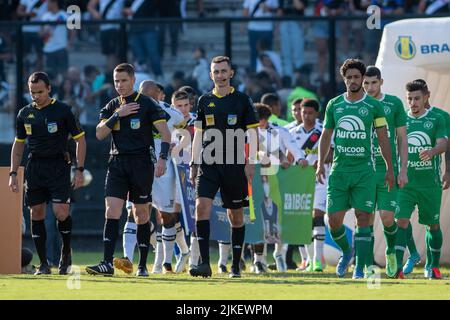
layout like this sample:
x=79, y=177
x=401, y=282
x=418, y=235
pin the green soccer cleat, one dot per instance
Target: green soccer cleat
x=318, y=266
x=391, y=264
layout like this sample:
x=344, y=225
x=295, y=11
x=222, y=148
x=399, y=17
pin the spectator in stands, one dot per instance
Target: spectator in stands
x=301, y=91
x=32, y=10
x=144, y=37
x=292, y=38
x=109, y=33
x=266, y=64
x=56, y=41
x=5, y=55
x=177, y=82
x=201, y=71
x=169, y=9
x=283, y=93
x=431, y=7
x=258, y=30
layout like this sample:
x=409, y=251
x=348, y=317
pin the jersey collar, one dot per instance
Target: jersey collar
x=135, y=94
x=346, y=100
x=219, y=96
x=411, y=115
x=53, y=101
x=383, y=95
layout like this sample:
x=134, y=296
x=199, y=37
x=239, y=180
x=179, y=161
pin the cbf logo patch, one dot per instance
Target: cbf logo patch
x=232, y=119
x=405, y=48
x=52, y=127
x=135, y=124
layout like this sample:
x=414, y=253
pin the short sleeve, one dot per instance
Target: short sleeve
x=21, y=134
x=106, y=112
x=73, y=125
x=156, y=113
x=200, y=120
x=441, y=129
x=250, y=116
x=329, y=122
x=379, y=117
x=400, y=117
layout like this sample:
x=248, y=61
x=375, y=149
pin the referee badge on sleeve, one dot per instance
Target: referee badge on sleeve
x=232, y=119
x=28, y=129
x=52, y=127
x=135, y=124
x=209, y=119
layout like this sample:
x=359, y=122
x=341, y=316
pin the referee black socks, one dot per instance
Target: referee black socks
x=203, y=231
x=237, y=242
x=143, y=242
x=39, y=234
x=110, y=235
x=65, y=228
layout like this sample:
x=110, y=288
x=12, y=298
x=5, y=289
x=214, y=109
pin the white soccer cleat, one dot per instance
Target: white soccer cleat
x=181, y=262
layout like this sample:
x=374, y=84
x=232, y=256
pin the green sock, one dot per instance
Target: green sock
x=390, y=234
x=400, y=245
x=410, y=240
x=340, y=237
x=362, y=246
x=369, y=258
x=429, y=255
x=435, y=247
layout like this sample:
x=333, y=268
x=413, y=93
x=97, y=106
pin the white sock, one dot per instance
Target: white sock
x=224, y=251
x=319, y=239
x=168, y=239
x=310, y=251
x=195, y=252
x=129, y=239
x=264, y=257
x=278, y=249
x=159, y=252
x=181, y=239
x=303, y=252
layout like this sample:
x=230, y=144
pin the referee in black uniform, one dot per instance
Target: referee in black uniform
x=130, y=118
x=231, y=114
x=47, y=123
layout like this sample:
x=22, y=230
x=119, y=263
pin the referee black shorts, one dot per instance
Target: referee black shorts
x=130, y=178
x=229, y=178
x=47, y=180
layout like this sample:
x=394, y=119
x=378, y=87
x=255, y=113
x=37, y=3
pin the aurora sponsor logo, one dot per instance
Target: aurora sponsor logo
x=418, y=141
x=351, y=127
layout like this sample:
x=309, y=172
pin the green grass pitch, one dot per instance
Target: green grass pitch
x=273, y=286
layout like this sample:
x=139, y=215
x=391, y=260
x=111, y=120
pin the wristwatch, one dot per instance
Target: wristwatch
x=81, y=169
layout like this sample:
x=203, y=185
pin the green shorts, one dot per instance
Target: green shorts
x=385, y=199
x=351, y=190
x=428, y=201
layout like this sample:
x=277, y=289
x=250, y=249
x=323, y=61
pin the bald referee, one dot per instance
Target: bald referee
x=224, y=115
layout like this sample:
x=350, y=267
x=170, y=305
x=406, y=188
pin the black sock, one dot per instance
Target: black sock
x=143, y=242
x=237, y=242
x=65, y=229
x=290, y=254
x=203, y=239
x=39, y=234
x=110, y=235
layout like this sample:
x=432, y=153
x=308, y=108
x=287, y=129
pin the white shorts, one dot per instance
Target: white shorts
x=164, y=190
x=320, y=194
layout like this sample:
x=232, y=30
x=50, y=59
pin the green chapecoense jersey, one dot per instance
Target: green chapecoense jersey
x=352, y=123
x=395, y=117
x=423, y=133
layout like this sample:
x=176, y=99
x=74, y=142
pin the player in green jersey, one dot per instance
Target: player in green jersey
x=427, y=139
x=352, y=184
x=386, y=202
x=414, y=256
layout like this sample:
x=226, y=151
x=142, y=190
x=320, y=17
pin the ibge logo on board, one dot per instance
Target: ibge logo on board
x=405, y=48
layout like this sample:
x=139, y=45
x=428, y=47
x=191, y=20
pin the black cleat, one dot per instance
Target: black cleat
x=235, y=272
x=272, y=266
x=222, y=269
x=202, y=270
x=65, y=263
x=103, y=268
x=167, y=268
x=142, y=271
x=43, y=269
x=260, y=268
